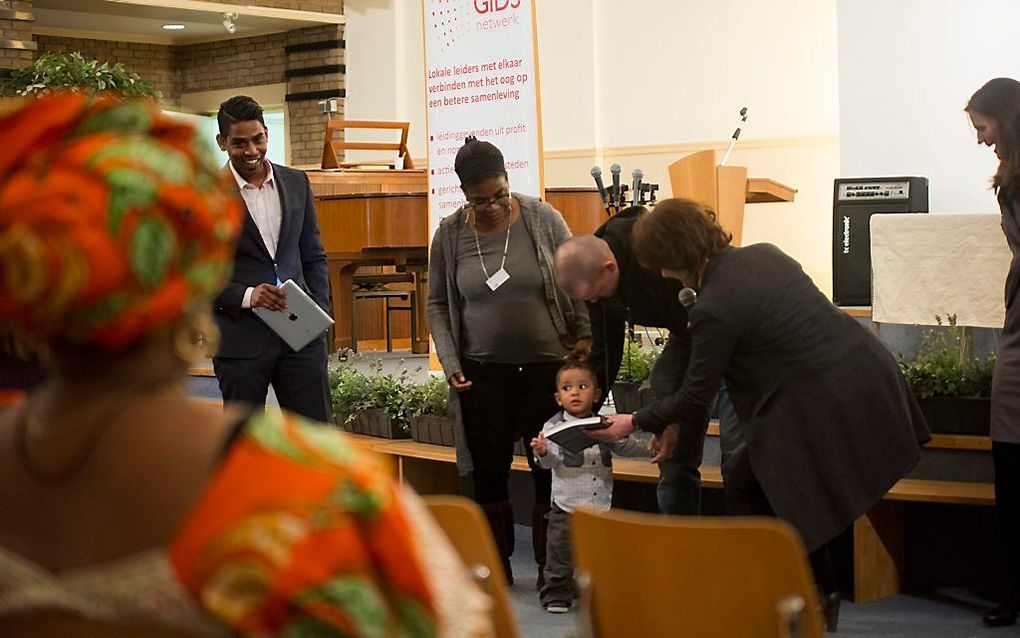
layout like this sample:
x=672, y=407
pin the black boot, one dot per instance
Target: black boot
x=830, y=610
x=539, y=525
x=1001, y=616
x=501, y=522
x=825, y=579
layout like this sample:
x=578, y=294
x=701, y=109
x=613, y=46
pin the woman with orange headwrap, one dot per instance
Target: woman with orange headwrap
x=122, y=499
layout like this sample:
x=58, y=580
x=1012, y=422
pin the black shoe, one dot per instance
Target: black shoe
x=557, y=606
x=830, y=610
x=508, y=571
x=1001, y=616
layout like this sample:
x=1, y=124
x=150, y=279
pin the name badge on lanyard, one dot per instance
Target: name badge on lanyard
x=497, y=279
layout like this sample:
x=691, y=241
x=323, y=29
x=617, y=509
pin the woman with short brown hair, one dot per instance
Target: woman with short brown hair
x=829, y=422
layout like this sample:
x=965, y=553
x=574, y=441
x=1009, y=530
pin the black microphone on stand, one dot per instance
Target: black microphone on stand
x=736, y=136
x=614, y=196
x=635, y=191
x=596, y=172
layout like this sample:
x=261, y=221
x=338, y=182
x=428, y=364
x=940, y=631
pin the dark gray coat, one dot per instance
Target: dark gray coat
x=829, y=421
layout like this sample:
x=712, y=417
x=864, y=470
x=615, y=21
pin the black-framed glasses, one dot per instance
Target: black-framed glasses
x=499, y=200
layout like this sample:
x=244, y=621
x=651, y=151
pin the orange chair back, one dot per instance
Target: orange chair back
x=657, y=576
x=464, y=523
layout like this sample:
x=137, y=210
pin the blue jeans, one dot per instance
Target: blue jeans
x=678, y=492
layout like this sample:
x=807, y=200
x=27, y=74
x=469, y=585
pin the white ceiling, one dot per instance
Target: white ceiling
x=133, y=21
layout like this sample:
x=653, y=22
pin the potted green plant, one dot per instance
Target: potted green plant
x=631, y=390
x=373, y=404
x=427, y=405
x=73, y=71
x=953, y=387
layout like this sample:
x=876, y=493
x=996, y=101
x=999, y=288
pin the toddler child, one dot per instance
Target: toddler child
x=578, y=478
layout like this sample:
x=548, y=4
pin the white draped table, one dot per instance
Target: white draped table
x=938, y=264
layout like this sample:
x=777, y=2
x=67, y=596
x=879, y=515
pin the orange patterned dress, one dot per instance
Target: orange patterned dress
x=302, y=533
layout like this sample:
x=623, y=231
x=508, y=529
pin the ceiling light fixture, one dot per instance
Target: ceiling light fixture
x=174, y=27
x=230, y=22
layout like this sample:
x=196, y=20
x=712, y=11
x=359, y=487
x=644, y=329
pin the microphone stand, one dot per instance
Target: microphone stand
x=736, y=136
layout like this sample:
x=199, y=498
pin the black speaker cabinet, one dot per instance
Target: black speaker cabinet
x=854, y=201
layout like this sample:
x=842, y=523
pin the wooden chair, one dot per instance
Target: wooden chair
x=369, y=287
x=333, y=149
x=465, y=525
x=656, y=576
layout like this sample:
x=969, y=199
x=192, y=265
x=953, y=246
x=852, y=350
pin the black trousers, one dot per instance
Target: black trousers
x=506, y=403
x=1006, y=458
x=299, y=378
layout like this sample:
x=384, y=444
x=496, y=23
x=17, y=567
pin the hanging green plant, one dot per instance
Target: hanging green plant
x=73, y=71
x=636, y=364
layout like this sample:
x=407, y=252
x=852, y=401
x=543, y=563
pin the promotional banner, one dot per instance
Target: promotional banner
x=481, y=79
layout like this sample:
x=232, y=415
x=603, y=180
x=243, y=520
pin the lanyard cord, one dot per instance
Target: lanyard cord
x=478, y=247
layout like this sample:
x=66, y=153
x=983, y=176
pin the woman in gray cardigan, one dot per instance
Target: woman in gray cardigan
x=995, y=112
x=501, y=329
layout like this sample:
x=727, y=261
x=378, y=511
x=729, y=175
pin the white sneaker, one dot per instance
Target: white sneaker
x=558, y=607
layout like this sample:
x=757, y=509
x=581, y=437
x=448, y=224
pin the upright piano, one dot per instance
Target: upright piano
x=378, y=219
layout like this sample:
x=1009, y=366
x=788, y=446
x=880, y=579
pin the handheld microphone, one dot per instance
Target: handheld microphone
x=614, y=197
x=596, y=172
x=635, y=190
x=736, y=136
x=687, y=297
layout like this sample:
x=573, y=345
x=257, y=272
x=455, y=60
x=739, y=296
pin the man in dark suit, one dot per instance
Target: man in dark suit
x=602, y=270
x=280, y=241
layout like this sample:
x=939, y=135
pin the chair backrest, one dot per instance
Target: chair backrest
x=465, y=525
x=59, y=624
x=332, y=149
x=651, y=576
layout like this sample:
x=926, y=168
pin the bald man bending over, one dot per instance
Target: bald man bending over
x=601, y=270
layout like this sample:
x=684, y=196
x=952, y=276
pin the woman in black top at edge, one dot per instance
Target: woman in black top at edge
x=995, y=112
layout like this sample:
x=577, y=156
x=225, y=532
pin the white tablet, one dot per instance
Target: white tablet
x=301, y=322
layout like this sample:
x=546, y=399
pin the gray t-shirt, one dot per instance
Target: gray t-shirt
x=510, y=324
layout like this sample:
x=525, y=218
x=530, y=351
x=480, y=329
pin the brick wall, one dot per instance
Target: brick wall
x=241, y=62
x=17, y=30
x=305, y=121
x=154, y=62
x=213, y=66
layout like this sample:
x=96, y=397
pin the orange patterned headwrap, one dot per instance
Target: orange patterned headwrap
x=113, y=218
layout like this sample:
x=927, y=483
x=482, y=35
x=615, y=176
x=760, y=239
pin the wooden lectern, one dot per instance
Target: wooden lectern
x=725, y=188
